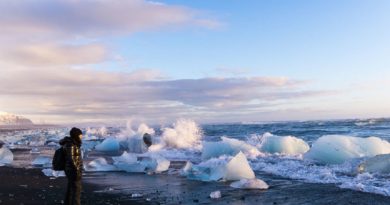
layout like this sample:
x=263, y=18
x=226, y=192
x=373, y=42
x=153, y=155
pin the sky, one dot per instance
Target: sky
x=71, y=61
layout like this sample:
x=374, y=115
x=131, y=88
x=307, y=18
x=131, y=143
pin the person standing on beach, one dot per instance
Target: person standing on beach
x=73, y=165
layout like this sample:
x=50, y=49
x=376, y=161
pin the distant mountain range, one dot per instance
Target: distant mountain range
x=8, y=119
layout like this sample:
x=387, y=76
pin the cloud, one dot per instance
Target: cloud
x=92, y=18
x=75, y=32
x=89, y=94
x=49, y=54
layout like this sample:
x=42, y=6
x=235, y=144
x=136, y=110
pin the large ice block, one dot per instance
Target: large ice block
x=336, y=149
x=108, y=145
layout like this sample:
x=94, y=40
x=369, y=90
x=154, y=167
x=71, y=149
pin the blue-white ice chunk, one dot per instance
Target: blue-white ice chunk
x=126, y=158
x=250, y=184
x=108, y=145
x=53, y=173
x=269, y=143
x=136, y=167
x=336, y=149
x=153, y=163
x=136, y=144
x=6, y=156
x=100, y=165
x=186, y=169
x=377, y=164
x=156, y=164
x=222, y=168
x=238, y=168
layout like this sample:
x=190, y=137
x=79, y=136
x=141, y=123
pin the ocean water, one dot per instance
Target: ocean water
x=183, y=141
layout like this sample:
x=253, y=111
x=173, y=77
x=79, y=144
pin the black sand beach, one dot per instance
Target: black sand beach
x=30, y=186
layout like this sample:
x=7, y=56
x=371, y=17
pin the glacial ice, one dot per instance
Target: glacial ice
x=156, y=164
x=108, y=145
x=136, y=144
x=228, y=146
x=186, y=169
x=379, y=163
x=336, y=149
x=6, y=156
x=52, y=173
x=136, y=167
x=100, y=164
x=238, y=168
x=126, y=158
x=221, y=168
x=153, y=163
x=215, y=194
x=249, y=184
x=270, y=143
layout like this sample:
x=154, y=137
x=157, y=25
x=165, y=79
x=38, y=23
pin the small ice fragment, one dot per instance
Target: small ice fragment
x=250, y=184
x=136, y=195
x=215, y=194
x=35, y=150
x=53, y=173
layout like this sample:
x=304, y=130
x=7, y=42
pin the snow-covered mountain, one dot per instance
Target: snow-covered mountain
x=11, y=119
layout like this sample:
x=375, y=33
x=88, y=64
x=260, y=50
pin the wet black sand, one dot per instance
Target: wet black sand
x=30, y=186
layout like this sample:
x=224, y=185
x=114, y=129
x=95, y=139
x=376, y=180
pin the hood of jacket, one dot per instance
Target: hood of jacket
x=68, y=140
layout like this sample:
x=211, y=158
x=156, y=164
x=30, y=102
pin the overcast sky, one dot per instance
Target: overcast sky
x=70, y=61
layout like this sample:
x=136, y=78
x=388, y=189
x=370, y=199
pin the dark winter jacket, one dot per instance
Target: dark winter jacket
x=74, y=162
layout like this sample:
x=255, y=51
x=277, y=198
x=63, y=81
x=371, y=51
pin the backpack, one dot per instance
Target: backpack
x=58, y=162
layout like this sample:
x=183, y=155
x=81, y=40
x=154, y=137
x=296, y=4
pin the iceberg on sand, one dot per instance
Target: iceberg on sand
x=250, y=184
x=220, y=169
x=153, y=163
x=53, y=173
x=228, y=146
x=336, y=149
